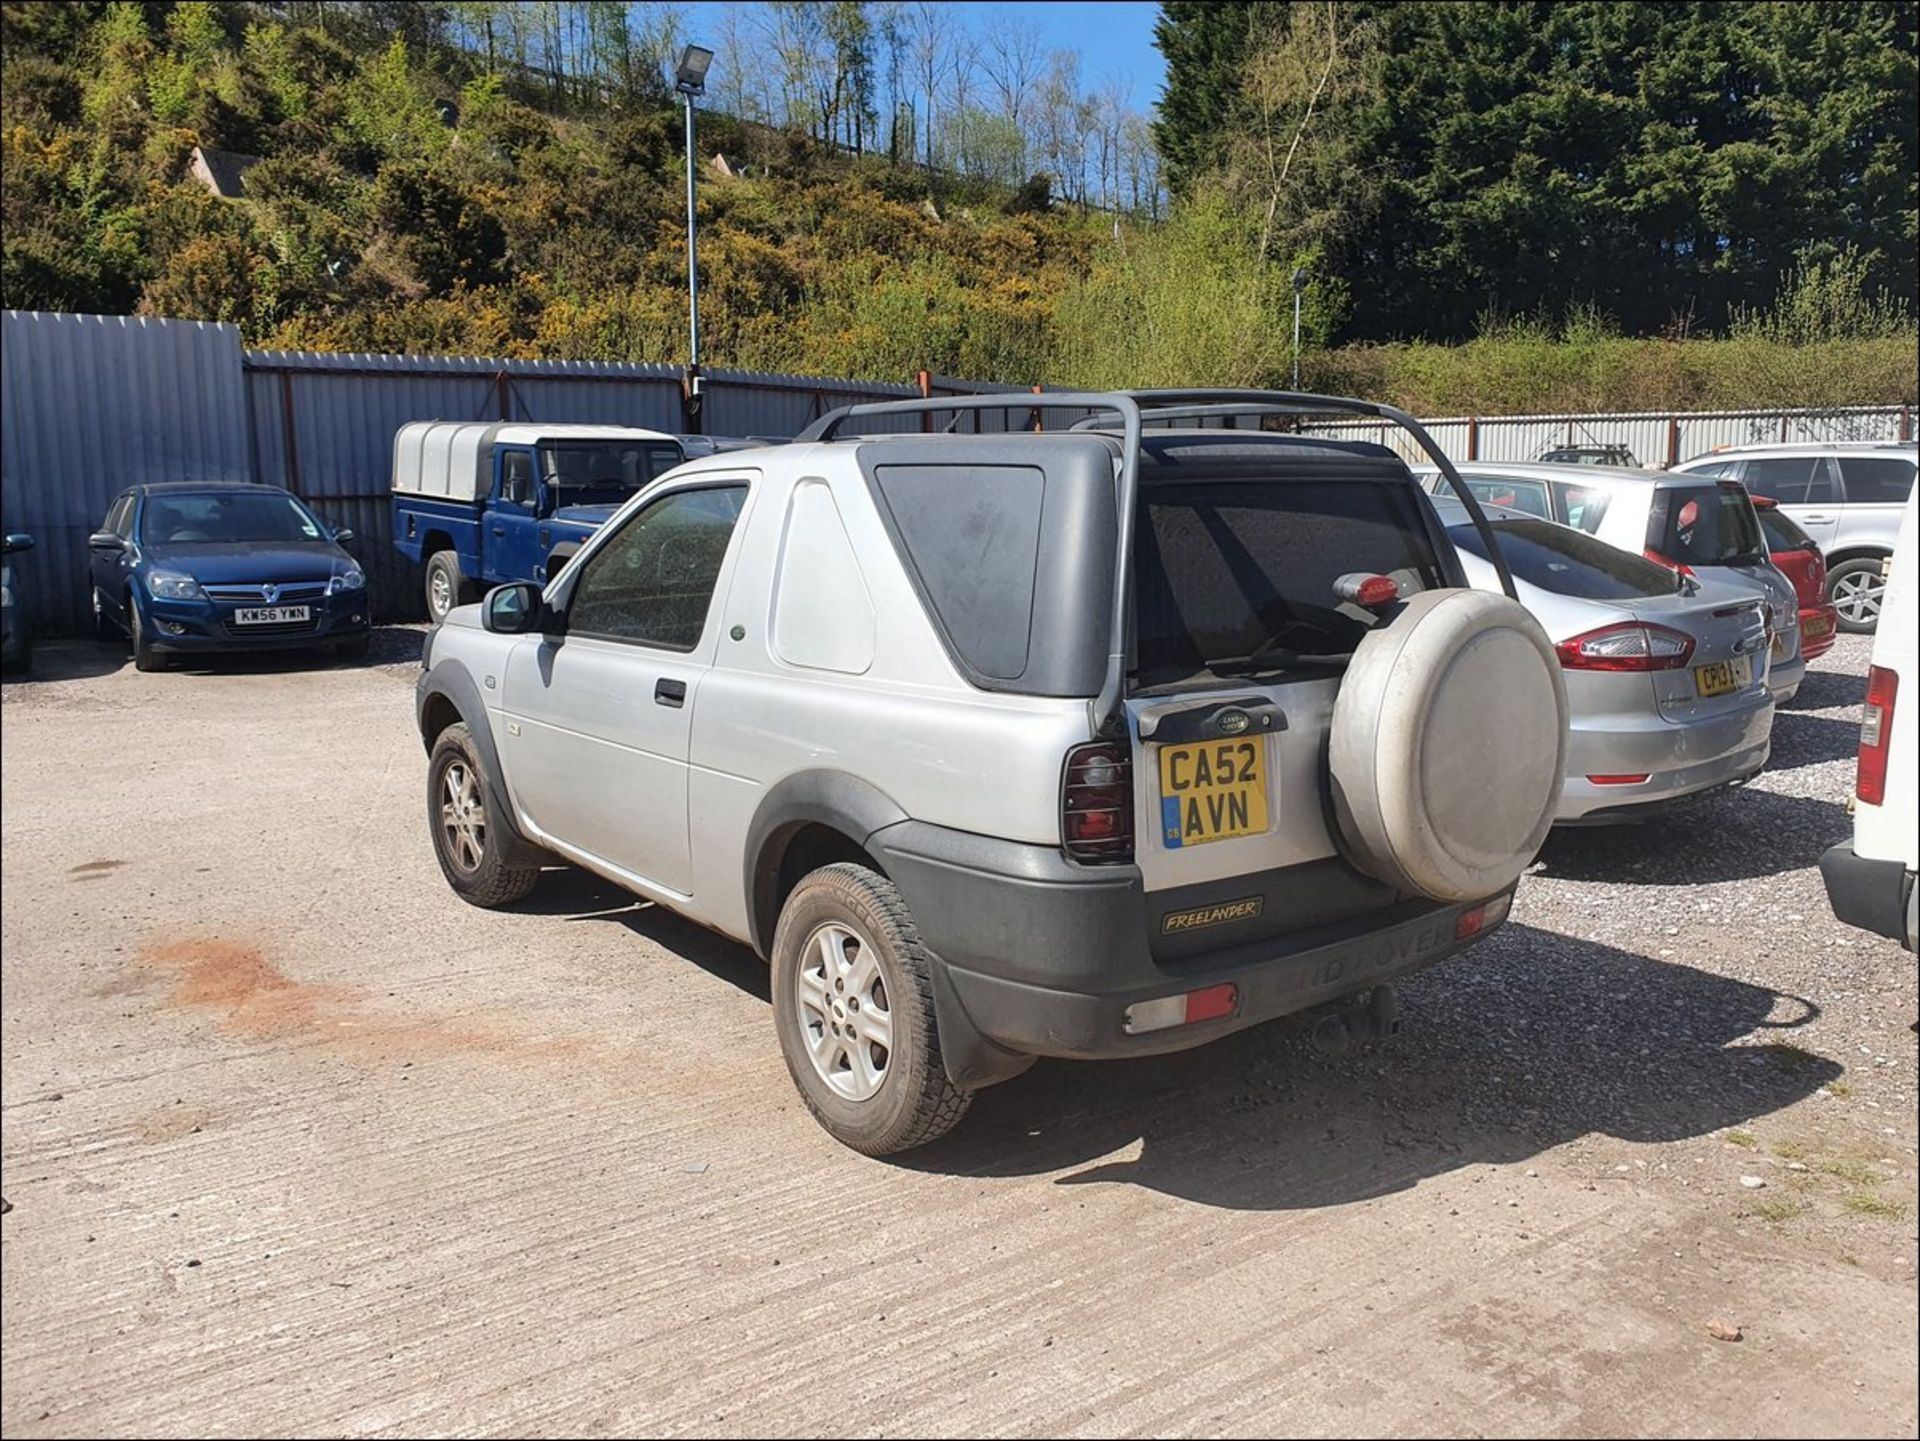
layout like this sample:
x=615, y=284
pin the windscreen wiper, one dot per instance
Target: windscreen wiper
x=1276, y=658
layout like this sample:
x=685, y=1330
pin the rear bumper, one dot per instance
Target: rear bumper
x=1819, y=626
x=1039, y=957
x=1680, y=760
x=1784, y=677
x=1875, y=896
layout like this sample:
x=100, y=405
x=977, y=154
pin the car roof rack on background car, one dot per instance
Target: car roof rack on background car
x=1133, y=408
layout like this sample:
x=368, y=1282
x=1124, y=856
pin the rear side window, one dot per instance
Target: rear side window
x=972, y=538
x=1513, y=494
x=1705, y=525
x=1717, y=468
x=1225, y=569
x=1586, y=506
x=1569, y=562
x=1792, y=480
x=1877, y=479
x=1781, y=530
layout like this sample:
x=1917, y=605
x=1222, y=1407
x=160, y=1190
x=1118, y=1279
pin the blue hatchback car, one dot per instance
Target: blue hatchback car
x=190, y=567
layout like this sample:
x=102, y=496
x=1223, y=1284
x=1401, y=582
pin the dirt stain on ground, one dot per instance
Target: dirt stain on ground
x=94, y=870
x=249, y=995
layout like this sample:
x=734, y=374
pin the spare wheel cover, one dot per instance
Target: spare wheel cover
x=1448, y=745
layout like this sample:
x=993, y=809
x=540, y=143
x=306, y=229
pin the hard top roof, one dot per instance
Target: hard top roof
x=197, y=487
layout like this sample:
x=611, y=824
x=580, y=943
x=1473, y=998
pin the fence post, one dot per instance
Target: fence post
x=1906, y=422
x=926, y=393
x=1783, y=427
x=1473, y=437
x=500, y=391
x=1673, y=441
x=287, y=431
x=1039, y=421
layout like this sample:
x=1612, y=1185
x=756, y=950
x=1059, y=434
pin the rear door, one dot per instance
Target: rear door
x=1804, y=487
x=1238, y=642
x=1876, y=488
x=511, y=552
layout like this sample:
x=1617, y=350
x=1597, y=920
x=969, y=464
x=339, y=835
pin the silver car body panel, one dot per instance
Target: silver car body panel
x=1653, y=723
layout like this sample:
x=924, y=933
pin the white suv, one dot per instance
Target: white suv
x=1870, y=879
x=1088, y=743
x=1847, y=495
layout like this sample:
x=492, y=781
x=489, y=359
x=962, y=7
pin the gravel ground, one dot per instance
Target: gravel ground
x=296, y=1143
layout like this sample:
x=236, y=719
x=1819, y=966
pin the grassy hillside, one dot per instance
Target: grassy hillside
x=405, y=202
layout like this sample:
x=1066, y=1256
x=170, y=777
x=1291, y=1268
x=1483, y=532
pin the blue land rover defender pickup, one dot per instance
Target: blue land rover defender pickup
x=479, y=503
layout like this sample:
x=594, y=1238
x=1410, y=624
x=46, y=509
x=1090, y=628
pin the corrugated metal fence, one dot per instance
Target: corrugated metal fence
x=92, y=404
x=1655, y=440
x=323, y=424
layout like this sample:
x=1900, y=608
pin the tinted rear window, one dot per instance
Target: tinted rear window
x=1570, y=562
x=1705, y=525
x=1791, y=480
x=1781, y=531
x=1881, y=479
x=972, y=536
x=1223, y=568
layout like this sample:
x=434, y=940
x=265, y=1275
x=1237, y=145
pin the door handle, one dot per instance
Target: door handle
x=1816, y=518
x=670, y=693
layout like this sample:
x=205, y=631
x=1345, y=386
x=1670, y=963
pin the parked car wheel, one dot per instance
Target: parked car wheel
x=447, y=586
x=355, y=649
x=466, y=838
x=853, y=1005
x=145, y=657
x=1857, y=587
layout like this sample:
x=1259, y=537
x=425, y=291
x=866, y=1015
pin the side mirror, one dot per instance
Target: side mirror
x=18, y=541
x=343, y=535
x=105, y=540
x=513, y=609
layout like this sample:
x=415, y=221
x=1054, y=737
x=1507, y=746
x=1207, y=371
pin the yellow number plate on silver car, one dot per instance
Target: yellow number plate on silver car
x=1213, y=791
x=1723, y=676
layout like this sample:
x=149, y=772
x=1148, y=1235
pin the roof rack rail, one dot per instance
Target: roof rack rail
x=1132, y=407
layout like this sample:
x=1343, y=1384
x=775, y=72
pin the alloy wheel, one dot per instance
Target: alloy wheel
x=463, y=816
x=844, y=1017
x=1857, y=597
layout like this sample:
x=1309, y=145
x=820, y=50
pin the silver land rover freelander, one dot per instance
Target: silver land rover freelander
x=1094, y=740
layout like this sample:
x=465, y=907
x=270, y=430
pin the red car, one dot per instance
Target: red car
x=1793, y=551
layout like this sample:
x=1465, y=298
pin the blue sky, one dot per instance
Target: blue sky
x=1113, y=38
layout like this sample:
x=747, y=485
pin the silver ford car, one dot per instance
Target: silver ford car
x=1666, y=674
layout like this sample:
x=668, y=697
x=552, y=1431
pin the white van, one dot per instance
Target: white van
x=1870, y=880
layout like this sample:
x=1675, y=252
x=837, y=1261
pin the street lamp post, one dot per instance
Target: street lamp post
x=690, y=79
x=1299, y=285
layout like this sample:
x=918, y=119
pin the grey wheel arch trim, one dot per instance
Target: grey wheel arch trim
x=453, y=683
x=834, y=799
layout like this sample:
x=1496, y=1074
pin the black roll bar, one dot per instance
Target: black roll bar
x=1133, y=407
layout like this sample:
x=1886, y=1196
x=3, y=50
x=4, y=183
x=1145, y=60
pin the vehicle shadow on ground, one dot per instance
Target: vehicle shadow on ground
x=1826, y=690
x=1811, y=740
x=1524, y=1043
x=572, y=894
x=1739, y=834
x=68, y=660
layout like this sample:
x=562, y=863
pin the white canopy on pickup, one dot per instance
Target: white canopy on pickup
x=453, y=459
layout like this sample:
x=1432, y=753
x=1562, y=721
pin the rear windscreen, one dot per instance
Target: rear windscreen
x=1224, y=570
x=1781, y=531
x=1706, y=525
x=1569, y=562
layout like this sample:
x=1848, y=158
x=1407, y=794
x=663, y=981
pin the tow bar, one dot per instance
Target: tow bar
x=1375, y=1018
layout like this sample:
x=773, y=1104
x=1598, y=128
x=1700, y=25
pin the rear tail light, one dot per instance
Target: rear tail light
x=1618, y=780
x=1630, y=645
x=1668, y=561
x=1876, y=735
x=1096, y=803
x=1369, y=592
x=1482, y=917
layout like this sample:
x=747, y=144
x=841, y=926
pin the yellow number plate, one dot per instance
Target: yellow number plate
x=1723, y=676
x=1213, y=791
